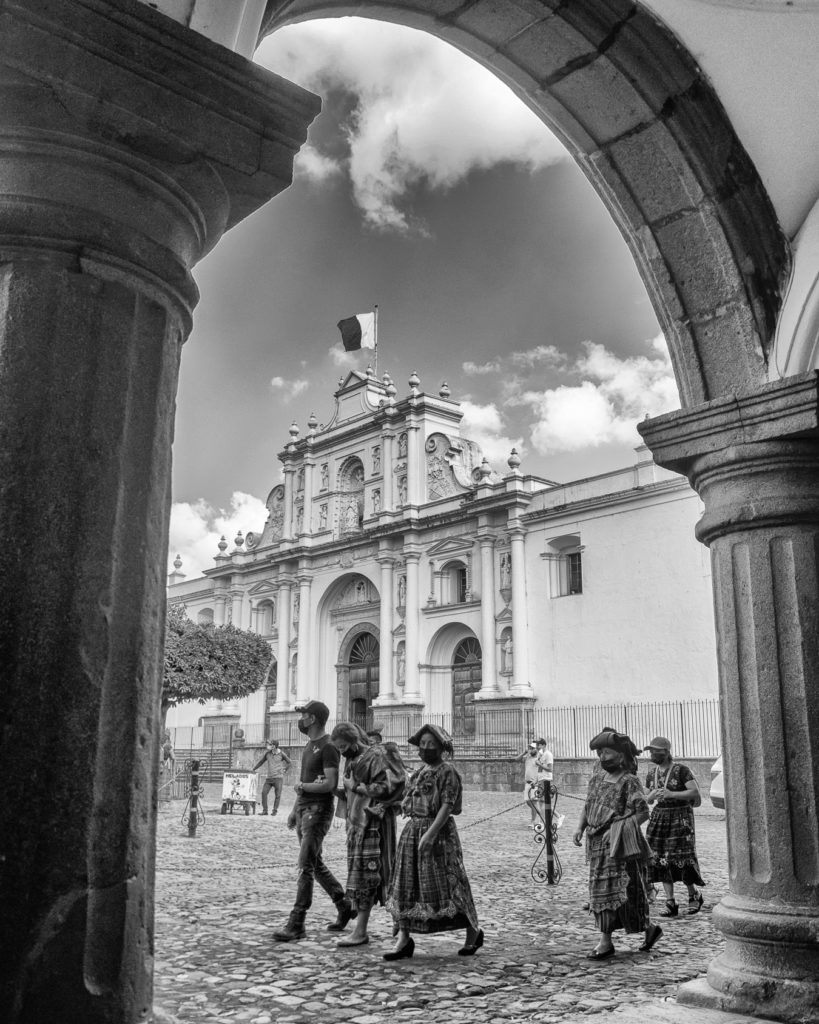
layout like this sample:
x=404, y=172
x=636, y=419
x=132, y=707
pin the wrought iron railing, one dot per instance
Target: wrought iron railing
x=692, y=726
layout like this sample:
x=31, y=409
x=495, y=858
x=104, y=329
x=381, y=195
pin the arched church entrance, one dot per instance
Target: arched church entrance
x=466, y=682
x=362, y=670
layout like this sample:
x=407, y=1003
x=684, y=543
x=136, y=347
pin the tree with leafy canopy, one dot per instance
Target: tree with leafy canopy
x=205, y=662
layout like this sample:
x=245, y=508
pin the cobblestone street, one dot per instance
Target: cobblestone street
x=221, y=894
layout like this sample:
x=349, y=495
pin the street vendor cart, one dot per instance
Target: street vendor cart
x=238, y=789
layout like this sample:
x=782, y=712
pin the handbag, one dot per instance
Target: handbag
x=626, y=840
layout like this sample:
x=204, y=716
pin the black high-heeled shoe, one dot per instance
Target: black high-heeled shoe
x=472, y=949
x=404, y=953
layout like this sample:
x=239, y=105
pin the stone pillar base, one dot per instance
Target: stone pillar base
x=399, y=721
x=750, y=1001
x=508, y=719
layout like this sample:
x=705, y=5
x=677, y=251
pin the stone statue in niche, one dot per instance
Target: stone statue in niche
x=508, y=655
x=402, y=490
x=376, y=502
x=402, y=591
x=300, y=479
x=505, y=570
x=377, y=459
x=401, y=665
x=296, y=606
x=299, y=519
x=402, y=446
x=325, y=476
x=322, y=517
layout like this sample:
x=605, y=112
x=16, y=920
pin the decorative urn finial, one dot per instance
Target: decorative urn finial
x=513, y=462
x=445, y=392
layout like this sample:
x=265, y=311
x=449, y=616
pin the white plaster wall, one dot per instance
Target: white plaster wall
x=642, y=630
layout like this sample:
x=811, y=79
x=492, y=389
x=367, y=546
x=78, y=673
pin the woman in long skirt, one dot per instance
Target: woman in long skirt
x=617, y=884
x=429, y=891
x=373, y=784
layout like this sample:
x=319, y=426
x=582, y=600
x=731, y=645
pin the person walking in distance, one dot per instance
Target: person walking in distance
x=311, y=817
x=530, y=779
x=674, y=793
x=277, y=764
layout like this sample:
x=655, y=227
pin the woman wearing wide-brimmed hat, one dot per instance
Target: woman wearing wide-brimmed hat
x=429, y=890
x=616, y=849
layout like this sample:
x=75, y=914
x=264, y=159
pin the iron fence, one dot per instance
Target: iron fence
x=692, y=726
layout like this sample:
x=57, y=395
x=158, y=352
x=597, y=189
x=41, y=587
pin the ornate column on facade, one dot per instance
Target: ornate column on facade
x=414, y=488
x=754, y=460
x=521, y=687
x=289, y=490
x=388, y=471
x=284, y=625
x=303, y=677
x=489, y=669
x=220, y=603
x=386, y=683
x=412, y=683
x=130, y=144
x=309, y=471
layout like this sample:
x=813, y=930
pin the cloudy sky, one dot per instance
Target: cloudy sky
x=428, y=188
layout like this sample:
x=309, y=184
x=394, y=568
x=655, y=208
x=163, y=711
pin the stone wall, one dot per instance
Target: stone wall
x=505, y=775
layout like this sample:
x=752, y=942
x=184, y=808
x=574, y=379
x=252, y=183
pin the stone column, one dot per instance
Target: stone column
x=489, y=669
x=521, y=687
x=754, y=460
x=304, y=676
x=386, y=683
x=388, y=473
x=129, y=145
x=414, y=484
x=220, y=601
x=307, y=524
x=412, y=683
x=283, y=603
x=289, y=489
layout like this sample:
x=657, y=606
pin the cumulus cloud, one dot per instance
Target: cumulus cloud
x=478, y=369
x=290, y=388
x=341, y=357
x=196, y=528
x=611, y=397
x=485, y=425
x=316, y=166
x=424, y=115
x=540, y=355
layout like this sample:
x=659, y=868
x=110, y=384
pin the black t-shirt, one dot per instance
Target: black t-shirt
x=318, y=756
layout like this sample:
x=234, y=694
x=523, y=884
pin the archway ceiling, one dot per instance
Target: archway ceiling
x=630, y=103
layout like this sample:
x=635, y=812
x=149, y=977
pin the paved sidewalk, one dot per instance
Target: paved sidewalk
x=220, y=896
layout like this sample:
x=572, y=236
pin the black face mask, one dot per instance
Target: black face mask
x=657, y=758
x=428, y=755
x=611, y=764
x=303, y=726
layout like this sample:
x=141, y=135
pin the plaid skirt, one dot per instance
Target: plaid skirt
x=617, y=890
x=370, y=858
x=670, y=835
x=431, y=893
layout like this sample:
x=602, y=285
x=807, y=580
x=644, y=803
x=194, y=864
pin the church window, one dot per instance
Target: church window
x=565, y=558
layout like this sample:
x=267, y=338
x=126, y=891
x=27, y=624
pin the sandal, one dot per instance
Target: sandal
x=671, y=909
x=695, y=903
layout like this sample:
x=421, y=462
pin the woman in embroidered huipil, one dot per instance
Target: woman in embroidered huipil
x=673, y=790
x=429, y=890
x=617, y=887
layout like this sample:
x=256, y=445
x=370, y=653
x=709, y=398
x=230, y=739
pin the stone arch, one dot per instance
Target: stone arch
x=630, y=103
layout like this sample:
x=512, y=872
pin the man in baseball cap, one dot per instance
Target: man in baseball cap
x=659, y=743
x=311, y=817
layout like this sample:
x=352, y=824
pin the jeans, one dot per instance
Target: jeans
x=275, y=784
x=312, y=825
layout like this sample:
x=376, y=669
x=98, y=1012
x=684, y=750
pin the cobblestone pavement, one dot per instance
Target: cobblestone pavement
x=221, y=894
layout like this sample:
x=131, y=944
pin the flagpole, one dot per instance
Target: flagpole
x=375, y=339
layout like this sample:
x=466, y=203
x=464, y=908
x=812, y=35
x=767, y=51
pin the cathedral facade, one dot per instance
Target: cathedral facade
x=398, y=575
